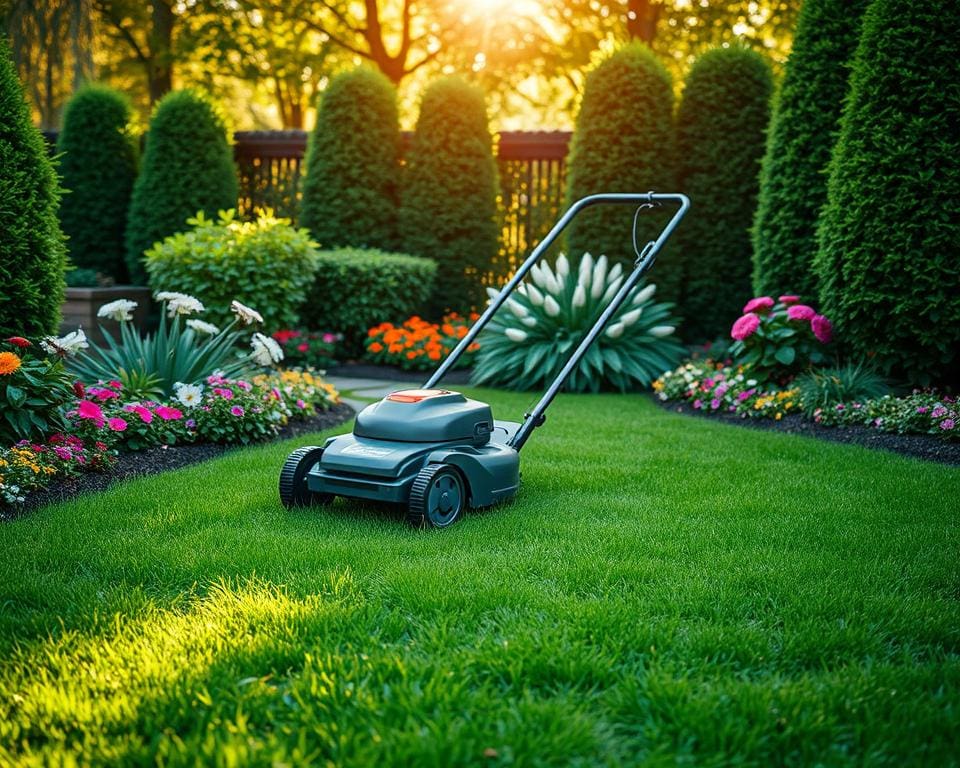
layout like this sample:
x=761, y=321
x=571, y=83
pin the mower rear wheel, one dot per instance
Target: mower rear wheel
x=437, y=498
x=293, y=479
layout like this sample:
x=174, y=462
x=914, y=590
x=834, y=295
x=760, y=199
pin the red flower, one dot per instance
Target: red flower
x=303, y=347
x=19, y=341
x=284, y=336
x=78, y=389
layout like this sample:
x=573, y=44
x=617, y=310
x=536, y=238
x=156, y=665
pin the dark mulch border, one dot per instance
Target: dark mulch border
x=915, y=446
x=164, y=459
x=393, y=373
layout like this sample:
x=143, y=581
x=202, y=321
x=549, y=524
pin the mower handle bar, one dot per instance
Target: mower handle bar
x=645, y=260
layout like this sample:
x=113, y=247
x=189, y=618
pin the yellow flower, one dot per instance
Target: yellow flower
x=9, y=362
x=777, y=417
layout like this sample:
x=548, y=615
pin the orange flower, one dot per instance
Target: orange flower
x=411, y=355
x=474, y=317
x=448, y=329
x=373, y=332
x=461, y=331
x=395, y=348
x=9, y=362
x=392, y=335
x=434, y=354
x=473, y=347
x=376, y=347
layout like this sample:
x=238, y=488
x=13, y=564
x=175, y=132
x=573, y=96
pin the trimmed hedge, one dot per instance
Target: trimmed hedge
x=793, y=180
x=187, y=167
x=623, y=142
x=355, y=289
x=350, y=193
x=888, y=258
x=98, y=165
x=721, y=125
x=449, y=207
x=32, y=250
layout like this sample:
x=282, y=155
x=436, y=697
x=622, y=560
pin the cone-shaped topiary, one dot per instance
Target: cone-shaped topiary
x=449, y=207
x=353, y=164
x=98, y=165
x=720, y=140
x=888, y=264
x=623, y=142
x=793, y=180
x=32, y=251
x=187, y=167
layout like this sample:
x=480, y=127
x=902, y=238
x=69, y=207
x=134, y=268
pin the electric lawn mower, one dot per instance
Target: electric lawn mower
x=434, y=450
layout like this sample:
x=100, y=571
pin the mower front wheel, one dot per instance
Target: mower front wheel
x=437, y=498
x=293, y=479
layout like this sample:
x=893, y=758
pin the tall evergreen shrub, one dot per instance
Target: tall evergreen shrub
x=793, y=180
x=449, y=206
x=353, y=164
x=32, y=251
x=721, y=124
x=888, y=262
x=98, y=165
x=187, y=167
x=623, y=142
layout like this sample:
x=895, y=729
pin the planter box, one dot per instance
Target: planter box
x=81, y=305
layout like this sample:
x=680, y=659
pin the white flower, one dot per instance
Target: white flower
x=615, y=331
x=563, y=266
x=515, y=334
x=586, y=268
x=551, y=307
x=536, y=298
x=245, y=313
x=660, y=331
x=183, y=305
x=530, y=322
x=615, y=272
x=517, y=308
x=629, y=318
x=169, y=295
x=612, y=289
x=579, y=296
x=266, y=351
x=645, y=294
x=68, y=345
x=554, y=284
x=201, y=326
x=599, y=277
x=539, y=276
x=119, y=310
x=493, y=293
x=188, y=394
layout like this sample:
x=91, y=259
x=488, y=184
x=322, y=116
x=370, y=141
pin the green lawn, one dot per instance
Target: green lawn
x=663, y=590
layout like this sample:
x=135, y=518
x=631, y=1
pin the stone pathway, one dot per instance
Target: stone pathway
x=359, y=393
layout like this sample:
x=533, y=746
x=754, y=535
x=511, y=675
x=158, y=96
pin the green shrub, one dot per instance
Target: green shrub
x=530, y=339
x=793, y=181
x=449, y=208
x=887, y=262
x=355, y=289
x=98, y=165
x=623, y=142
x=32, y=252
x=720, y=138
x=265, y=263
x=187, y=167
x=353, y=164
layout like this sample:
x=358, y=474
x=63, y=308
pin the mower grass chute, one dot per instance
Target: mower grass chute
x=435, y=451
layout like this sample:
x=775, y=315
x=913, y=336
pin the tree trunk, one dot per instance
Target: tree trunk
x=160, y=63
x=642, y=18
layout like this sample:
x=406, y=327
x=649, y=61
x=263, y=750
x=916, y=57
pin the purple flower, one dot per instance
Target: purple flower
x=190, y=423
x=938, y=412
x=698, y=403
x=922, y=409
x=237, y=410
x=840, y=406
x=946, y=424
x=878, y=422
x=63, y=453
x=715, y=403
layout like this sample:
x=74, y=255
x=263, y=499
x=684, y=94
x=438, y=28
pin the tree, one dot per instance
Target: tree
x=32, y=252
x=449, y=203
x=721, y=125
x=350, y=193
x=187, y=167
x=793, y=182
x=887, y=264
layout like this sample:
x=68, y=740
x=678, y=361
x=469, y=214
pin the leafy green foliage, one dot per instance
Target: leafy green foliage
x=529, y=340
x=187, y=167
x=826, y=387
x=887, y=262
x=806, y=114
x=32, y=251
x=32, y=396
x=355, y=289
x=623, y=142
x=449, y=206
x=98, y=165
x=720, y=138
x=350, y=193
x=265, y=263
x=82, y=278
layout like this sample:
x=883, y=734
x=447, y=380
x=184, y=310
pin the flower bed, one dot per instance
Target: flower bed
x=418, y=345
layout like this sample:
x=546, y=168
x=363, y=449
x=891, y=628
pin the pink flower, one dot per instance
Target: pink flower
x=246, y=386
x=698, y=403
x=303, y=347
x=102, y=394
x=937, y=412
x=746, y=395
x=715, y=403
x=329, y=338
x=759, y=303
x=63, y=453
x=115, y=384
x=144, y=413
x=721, y=390
x=276, y=393
x=301, y=405
x=922, y=409
x=800, y=312
x=946, y=424
x=100, y=446
x=822, y=328
x=117, y=425
x=236, y=410
x=226, y=394
x=167, y=413
x=90, y=410
x=214, y=379
x=789, y=299
x=745, y=326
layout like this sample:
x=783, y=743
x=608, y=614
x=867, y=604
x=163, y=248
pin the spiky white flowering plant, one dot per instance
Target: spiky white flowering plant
x=528, y=341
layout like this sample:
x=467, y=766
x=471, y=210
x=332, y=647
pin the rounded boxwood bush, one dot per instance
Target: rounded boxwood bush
x=98, y=165
x=32, y=251
x=449, y=207
x=793, y=180
x=887, y=264
x=721, y=124
x=266, y=264
x=187, y=167
x=353, y=164
x=623, y=142
x=355, y=289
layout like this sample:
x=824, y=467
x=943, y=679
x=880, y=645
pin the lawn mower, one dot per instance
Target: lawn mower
x=435, y=451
